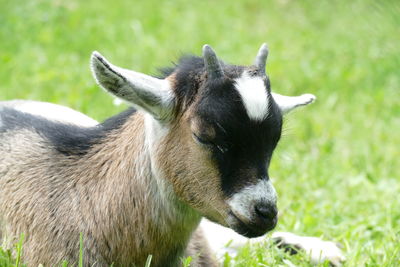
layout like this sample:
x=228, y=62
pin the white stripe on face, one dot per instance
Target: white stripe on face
x=243, y=203
x=254, y=96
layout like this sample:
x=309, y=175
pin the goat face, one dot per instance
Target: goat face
x=220, y=125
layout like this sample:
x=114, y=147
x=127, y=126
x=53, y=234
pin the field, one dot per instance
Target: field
x=337, y=168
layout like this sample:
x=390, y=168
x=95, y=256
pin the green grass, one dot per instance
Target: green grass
x=337, y=167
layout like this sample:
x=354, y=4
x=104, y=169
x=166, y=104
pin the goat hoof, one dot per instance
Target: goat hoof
x=318, y=249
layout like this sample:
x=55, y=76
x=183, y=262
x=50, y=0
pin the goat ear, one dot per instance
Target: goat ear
x=288, y=103
x=143, y=91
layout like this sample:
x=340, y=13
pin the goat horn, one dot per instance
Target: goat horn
x=261, y=58
x=213, y=67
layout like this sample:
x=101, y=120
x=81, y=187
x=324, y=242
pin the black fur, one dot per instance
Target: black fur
x=190, y=75
x=66, y=138
x=247, y=144
x=242, y=147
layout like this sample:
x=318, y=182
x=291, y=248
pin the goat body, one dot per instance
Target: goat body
x=139, y=183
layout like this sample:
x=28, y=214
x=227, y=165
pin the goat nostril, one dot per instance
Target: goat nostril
x=266, y=211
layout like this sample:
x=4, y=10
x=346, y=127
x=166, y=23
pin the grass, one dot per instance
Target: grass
x=337, y=167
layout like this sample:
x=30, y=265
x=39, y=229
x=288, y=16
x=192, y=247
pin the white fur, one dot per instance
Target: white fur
x=242, y=203
x=51, y=112
x=254, y=96
x=154, y=132
x=224, y=240
x=288, y=103
x=154, y=86
x=318, y=249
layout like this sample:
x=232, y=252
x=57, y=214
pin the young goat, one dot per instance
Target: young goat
x=140, y=182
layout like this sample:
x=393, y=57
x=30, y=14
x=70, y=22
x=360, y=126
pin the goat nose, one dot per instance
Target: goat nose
x=266, y=211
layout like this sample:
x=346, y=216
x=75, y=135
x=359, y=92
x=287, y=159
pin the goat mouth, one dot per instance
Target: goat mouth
x=250, y=229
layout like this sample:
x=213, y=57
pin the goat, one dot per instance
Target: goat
x=197, y=143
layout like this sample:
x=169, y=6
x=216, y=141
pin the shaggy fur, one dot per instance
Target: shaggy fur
x=139, y=183
x=60, y=196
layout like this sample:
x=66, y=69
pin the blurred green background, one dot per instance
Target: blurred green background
x=337, y=167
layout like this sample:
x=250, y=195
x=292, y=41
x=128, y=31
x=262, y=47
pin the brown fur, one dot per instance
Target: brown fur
x=179, y=156
x=109, y=196
x=199, y=251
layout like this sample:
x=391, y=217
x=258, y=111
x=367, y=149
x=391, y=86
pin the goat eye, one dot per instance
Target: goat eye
x=222, y=149
x=202, y=140
x=209, y=144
